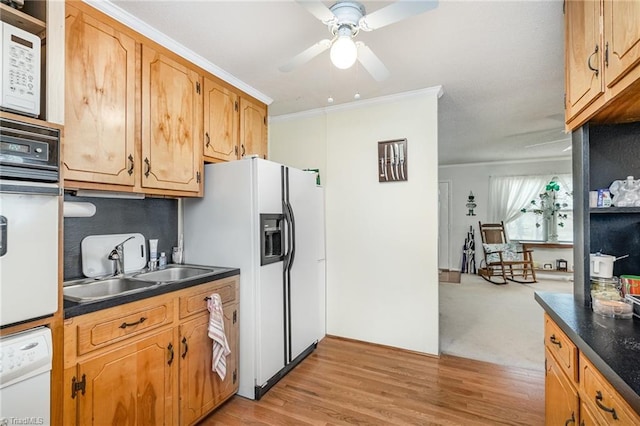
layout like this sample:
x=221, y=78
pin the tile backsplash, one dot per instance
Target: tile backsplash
x=152, y=217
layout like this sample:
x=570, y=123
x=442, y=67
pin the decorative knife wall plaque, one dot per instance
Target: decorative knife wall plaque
x=392, y=160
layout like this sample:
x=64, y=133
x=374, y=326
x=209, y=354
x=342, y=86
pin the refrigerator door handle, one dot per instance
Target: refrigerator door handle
x=292, y=233
x=287, y=220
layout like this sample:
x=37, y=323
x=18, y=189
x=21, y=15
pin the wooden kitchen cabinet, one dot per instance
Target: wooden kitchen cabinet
x=560, y=395
x=122, y=369
x=621, y=41
x=171, y=123
x=602, y=61
x=583, y=65
x=575, y=391
x=201, y=389
x=221, y=122
x=234, y=125
x=601, y=398
x=133, y=112
x=100, y=78
x=131, y=385
x=253, y=128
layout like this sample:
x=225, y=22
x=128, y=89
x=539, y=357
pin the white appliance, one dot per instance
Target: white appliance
x=29, y=204
x=266, y=219
x=20, y=89
x=25, y=377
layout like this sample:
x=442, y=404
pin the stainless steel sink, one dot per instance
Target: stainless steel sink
x=91, y=290
x=174, y=273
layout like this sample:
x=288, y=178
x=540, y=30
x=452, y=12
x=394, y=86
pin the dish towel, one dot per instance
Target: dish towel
x=216, y=332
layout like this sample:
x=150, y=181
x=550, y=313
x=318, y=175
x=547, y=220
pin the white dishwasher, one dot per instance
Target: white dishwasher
x=25, y=377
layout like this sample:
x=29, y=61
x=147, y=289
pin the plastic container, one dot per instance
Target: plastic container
x=162, y=262
x=607, y=298
x=630, y=284
x=153, y=249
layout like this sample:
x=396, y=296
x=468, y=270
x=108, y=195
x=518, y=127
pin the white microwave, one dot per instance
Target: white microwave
x=20, y=89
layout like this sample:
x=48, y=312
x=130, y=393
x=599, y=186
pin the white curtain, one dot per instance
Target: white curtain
x=510, y=194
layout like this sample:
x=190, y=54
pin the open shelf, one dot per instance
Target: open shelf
x=21, y=20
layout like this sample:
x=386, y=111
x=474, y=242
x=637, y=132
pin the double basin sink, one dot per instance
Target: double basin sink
x=93, y=289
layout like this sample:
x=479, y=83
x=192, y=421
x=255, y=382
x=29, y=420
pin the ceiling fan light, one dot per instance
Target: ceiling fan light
x=343, y=52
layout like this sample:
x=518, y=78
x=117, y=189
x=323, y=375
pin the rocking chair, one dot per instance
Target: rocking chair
x=504, y=260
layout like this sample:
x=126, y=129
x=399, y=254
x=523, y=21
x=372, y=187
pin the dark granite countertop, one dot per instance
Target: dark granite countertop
x=612, y=345
x=74, y=309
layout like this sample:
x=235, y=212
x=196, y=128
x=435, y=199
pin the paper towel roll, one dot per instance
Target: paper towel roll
x=78, y=209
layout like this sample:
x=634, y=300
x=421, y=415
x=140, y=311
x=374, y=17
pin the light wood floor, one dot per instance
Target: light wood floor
x=353, y=383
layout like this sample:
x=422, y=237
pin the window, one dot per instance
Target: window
x=509, y=194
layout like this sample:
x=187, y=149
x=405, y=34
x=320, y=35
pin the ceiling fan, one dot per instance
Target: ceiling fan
x=345, y=19
x=564, y=140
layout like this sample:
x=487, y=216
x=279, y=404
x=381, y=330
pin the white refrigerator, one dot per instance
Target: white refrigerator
x=268, y=220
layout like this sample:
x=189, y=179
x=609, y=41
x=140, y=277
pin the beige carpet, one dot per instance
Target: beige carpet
x=498, y=324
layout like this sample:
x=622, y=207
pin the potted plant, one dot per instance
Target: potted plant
x=548, y=208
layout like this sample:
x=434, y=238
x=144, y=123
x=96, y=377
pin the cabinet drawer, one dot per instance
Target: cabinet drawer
x=603, y=400
x=562, y=349
x=122, y=324
x=194, y=301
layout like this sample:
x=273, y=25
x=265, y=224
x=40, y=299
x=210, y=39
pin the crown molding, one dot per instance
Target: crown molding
x=145, y=29
x=436, y=90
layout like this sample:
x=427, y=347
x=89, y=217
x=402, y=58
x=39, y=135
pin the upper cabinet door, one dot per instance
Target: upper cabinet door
x=253, y=128
x=99, y=139
x=220, y=122
x=622, y=38
x=171, y=123
x=584, y=73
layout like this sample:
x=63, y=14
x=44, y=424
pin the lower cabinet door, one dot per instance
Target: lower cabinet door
x=201, y=389
x=131, y=385
x=560, y=397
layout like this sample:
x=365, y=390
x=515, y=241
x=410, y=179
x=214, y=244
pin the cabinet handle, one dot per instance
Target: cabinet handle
x=186, y=347
x=236, y=150
x=206, y=299
x=606, y=54
x=148, y=164
x=243, y=150
x=595, y=70
x=208, y=139
x=170, y=349
x=604, y=407
x=131, y=324
x=555, y=341
x=130, y=171
x=571, y=420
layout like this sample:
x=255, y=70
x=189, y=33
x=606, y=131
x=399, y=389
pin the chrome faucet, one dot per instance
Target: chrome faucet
x=117, y=255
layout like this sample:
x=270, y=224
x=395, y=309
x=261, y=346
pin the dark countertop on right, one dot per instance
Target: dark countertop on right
x=612, y=345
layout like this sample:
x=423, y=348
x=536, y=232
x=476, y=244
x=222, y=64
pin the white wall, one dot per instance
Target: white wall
x=475, y=177
x=382, y=278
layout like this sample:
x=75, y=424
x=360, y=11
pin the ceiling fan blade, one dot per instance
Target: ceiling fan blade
x=548, y=143
x=306, y=55
x=395, y=12
x=319, y=10
x=371, y=62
